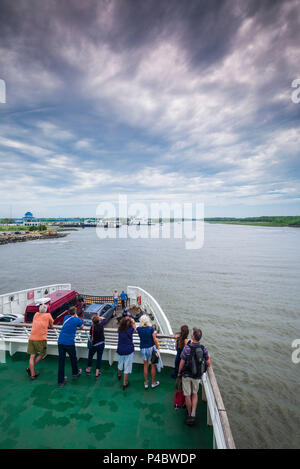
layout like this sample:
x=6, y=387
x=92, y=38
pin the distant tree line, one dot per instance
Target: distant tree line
x=274, y=221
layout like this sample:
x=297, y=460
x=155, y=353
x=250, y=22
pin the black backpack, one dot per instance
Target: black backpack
x=195, y=364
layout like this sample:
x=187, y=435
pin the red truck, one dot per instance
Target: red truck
x=58, y=304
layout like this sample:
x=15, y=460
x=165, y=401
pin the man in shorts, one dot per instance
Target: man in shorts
x=190, y=384
x=37, y=343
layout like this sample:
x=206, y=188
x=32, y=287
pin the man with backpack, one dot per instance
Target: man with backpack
x=194, y=362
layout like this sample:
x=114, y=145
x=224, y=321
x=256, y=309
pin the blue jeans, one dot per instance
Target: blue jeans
x=96, y=349
x=115, y=303
x=62, y=351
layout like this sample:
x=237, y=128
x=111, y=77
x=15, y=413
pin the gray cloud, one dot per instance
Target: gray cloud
x=175, y=98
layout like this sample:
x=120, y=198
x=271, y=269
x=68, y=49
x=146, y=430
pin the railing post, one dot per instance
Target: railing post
x=2, y=349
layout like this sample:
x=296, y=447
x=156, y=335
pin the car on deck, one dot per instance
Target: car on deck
x=106, y=310
x=10, y=318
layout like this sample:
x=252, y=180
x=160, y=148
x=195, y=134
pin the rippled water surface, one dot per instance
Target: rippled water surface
x=242, y=288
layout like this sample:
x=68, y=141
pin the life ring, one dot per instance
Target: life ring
x=139, y=300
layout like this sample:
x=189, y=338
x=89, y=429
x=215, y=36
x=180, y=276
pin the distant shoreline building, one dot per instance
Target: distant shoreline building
x=30, y=220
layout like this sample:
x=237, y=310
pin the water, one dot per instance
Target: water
x=241, y=289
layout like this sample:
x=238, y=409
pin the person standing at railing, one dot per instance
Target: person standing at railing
x=116, y=299
x=194, y=361
x=125, y=348
x=123, y=297
x=96, y=343
x=66, y=345
x=37, y=343
x=148, y=341
x=181, y=341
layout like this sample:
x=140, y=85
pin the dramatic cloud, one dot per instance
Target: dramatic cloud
x=157, y=99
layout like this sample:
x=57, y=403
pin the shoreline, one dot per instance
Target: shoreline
x=12, y=238
x=264, y=224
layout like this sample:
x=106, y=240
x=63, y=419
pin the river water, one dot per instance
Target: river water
x=242, y=288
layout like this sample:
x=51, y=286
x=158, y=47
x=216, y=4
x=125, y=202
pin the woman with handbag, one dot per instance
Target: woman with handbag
x=125, y=348
x=147, y=346
x=96, y=344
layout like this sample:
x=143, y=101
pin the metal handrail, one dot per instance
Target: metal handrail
x=86, y=328
x=22, y=330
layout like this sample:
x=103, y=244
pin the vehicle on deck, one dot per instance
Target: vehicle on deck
x=58, y=304
x=105, y=310
x=10, y=318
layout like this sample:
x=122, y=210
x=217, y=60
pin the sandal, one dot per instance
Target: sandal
x=35, y=376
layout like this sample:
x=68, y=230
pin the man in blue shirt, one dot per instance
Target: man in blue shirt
x=66, y=344
x=123, y=297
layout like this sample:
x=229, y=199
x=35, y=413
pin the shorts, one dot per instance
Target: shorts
x=37, y=346
x=190, y=386
x=126, y=362
x=146, y=353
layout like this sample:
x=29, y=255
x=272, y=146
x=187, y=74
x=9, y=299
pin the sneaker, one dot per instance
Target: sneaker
x=155, y=384
x=146, y=385
x=60, y=385
x=78, y=374
x=189, y=420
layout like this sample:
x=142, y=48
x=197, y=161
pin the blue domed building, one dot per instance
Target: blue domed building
x=28, y=216
x=29, y=219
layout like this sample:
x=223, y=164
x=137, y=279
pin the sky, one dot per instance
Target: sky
x=164, y=101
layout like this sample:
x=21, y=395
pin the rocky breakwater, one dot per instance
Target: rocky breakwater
x=6, y=238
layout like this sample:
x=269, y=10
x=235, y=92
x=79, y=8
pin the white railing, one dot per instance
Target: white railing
x=16, y=302
x=149, y=304
x=15, y=338
x=216, y=413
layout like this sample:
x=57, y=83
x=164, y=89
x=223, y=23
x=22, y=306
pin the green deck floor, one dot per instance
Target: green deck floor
x=92, y=414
